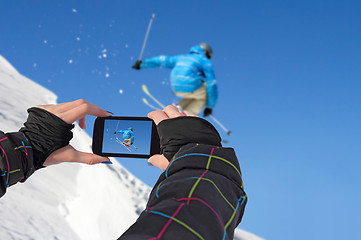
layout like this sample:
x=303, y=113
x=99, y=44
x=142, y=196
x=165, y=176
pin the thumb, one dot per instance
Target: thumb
x=159, y=161
x=69, y=154
x=90, y=158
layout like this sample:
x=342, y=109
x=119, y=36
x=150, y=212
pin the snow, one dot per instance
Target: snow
x=67, y=201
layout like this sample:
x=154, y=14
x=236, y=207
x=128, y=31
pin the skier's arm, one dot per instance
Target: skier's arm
x=200, y=195
x=158, y=62
x=211, y=84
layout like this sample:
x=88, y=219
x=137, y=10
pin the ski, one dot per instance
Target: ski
x=149, y=105
x=146, y=91
x=120, y=142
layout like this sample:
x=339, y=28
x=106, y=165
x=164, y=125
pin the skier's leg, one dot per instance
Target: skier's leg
x=127, y=141
x=185, y=101
x=195, y=107
x=196, y=100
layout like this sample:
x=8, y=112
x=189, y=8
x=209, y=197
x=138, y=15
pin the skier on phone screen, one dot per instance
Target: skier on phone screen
x=128, y=136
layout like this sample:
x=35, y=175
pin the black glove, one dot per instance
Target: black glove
x=207, y=112
x=46, y=133
x=136, y=65
x=177, y=132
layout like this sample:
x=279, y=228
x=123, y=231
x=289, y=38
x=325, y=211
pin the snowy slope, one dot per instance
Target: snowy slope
x=66, y=201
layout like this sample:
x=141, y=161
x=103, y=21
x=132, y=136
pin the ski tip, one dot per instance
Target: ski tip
x=153, y=16
x=145, y=89
x=229, y=133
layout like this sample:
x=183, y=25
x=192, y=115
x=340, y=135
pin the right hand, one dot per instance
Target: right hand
x=159, y=160
x=136, y=65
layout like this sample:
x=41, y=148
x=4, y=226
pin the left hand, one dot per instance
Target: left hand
x=136, y=65
x=207, y=112
x=70, y=112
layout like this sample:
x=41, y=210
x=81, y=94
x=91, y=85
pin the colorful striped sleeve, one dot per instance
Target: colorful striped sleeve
x=199, y=196
x=16, y=159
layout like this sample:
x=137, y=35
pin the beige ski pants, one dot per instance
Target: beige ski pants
x=193, y=103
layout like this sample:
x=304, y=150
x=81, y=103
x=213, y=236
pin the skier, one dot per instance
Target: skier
x=192, y=78
x=128, y=136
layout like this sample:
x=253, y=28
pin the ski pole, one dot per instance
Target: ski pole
x=221, y=125
x=146, y=36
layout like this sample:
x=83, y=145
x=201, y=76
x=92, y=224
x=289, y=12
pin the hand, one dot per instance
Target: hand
x=136, y=65
x=70, y=112
x=207, y=112
x=159, y=160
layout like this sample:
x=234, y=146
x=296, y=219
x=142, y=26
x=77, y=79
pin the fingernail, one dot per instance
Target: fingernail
x=150, y=164
x=107, y=162
x=110, y=112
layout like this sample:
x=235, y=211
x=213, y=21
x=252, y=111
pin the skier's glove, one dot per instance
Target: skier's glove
x=136, y=65
x=207, y=112
x=46, y=133
x=177, y=132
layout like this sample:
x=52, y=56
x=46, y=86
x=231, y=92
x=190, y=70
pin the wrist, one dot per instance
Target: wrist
x=177, y=132
x=46, y=133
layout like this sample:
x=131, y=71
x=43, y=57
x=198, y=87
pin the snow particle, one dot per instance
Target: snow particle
x=74, y=10
x=126, y=45
x=78, y=38
x=70, y=61
x=107, y=75
x=45, y=41
x=35, y=65
x=121, y=91
x=104, y=55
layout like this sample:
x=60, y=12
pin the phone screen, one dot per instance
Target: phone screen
x=125, y=137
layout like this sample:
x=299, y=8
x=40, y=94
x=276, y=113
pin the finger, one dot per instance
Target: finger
x=69, y=154
x=82, y=110
x=158, y=116
x=57, y=109
x=82, y=123
x=65, y=154
x=159, y=161
x=90, y=158
x=172, y=111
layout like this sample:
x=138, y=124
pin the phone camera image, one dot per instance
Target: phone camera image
x=134, y=137
x=128, y=137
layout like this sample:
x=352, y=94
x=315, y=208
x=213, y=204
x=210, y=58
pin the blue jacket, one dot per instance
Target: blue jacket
x=127, y=134
x=189, y=72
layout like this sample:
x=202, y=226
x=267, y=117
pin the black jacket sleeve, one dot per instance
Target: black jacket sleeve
x=16, y=159
x=199, y=196
x=23, y=152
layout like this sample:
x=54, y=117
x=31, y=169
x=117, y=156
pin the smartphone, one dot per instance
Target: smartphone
x=130, y=137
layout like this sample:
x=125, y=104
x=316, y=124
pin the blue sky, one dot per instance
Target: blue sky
x=289, y=79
